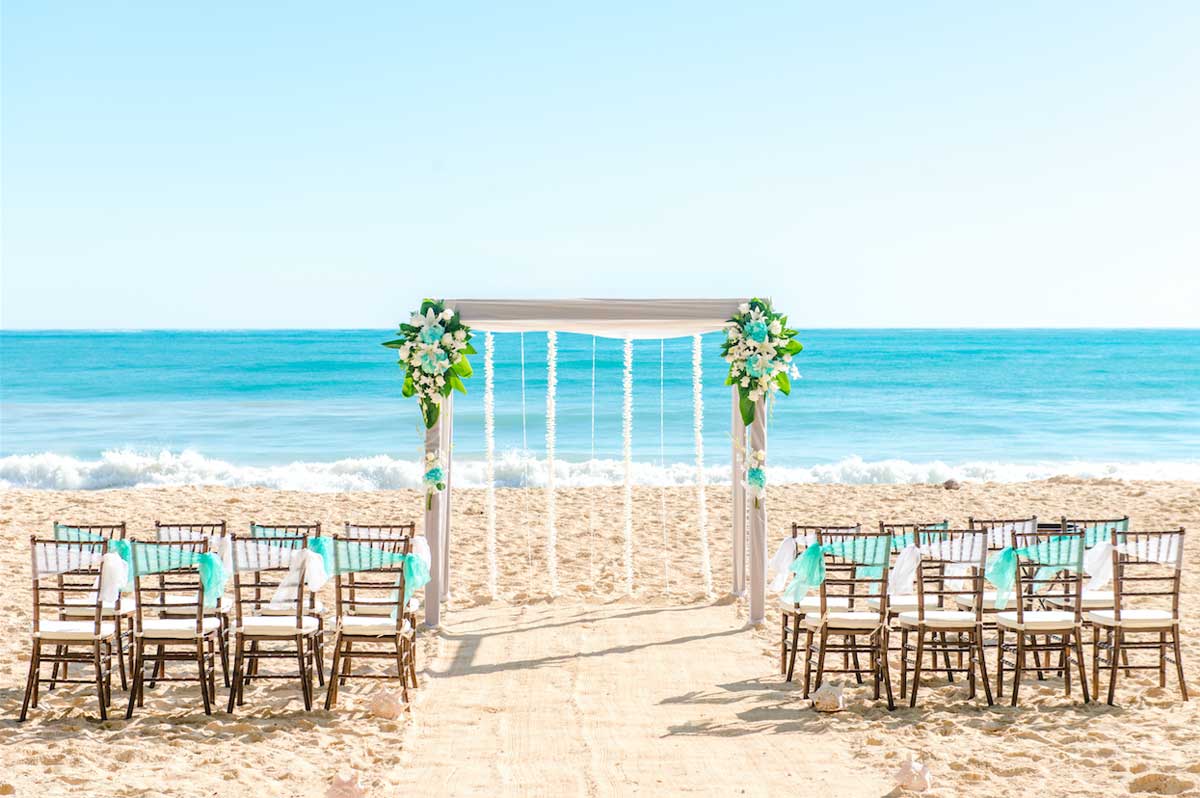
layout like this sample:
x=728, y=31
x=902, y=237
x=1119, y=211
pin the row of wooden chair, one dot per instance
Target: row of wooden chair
x=949, y=612
x=167, y=620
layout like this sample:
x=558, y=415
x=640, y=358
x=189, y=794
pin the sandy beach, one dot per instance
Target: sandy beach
x=594, y=692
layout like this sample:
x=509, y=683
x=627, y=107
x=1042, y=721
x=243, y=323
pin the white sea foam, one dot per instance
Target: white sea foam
x=132, y=469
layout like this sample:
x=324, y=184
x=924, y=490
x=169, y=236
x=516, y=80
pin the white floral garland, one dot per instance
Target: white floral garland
x=627, y=453
x=489, y=434
x=698, y=435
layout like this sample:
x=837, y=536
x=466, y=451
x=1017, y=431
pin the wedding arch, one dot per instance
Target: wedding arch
x=440, y=334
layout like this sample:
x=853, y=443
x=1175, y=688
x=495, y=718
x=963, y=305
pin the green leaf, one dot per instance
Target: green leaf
x=430, y=412
x=408, y=328
x=453, y=381
x=463, y=368
x=793, y=347
x=427, y=304
x=785, y=384
x=469, y=350
x=409, y=389
x=746, y=407
x=399, y=342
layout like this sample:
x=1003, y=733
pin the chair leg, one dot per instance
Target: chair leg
x=852, y=642
x=35, y=668
x=808, y=641
x=887, y=671
x=1179, y=661
x=319, y=650
x=121, y=653
x=946, y=658
x=236, y=682
x=783, y=643
x=1019, y=666
x=1096, y=662
x=139, y=676
x=100, y=680
x=223, y=646
x=903, y=662
x=304, y=685
x=1114, y=654
x=791, y=668
x=1077, y=637
x=59, y=651
x=1162, y=659
x=401, y=668
x=980, y=650
x=203, y=675
x=331, y=688
x=916, y=682
x=821, y=655
x=999, y=661
x=412, y=661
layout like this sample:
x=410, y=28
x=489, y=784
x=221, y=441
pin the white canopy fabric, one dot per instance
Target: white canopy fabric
x=610, y=318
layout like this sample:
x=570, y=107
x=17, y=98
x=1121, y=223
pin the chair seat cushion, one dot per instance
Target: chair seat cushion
x=968, y=600
x=813, y=604
x=177, y=628
x=378, y=605
x=290, y=609
x=372, y=626
x=278, y=625
x=74, y=630
x=902, y=603
x=78, y=608
x=940, y=619
x=1133, y=619
x=1041, y=620
x=844, y=620
x=1091, y=600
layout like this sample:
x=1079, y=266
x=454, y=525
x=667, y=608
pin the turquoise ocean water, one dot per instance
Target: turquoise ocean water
x=321, y=409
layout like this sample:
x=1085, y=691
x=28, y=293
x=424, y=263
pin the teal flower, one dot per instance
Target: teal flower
x=752, y=368
x=756, y=331
x=431, y=334
x=757, y=478
x=435, y=477
x=433, y=361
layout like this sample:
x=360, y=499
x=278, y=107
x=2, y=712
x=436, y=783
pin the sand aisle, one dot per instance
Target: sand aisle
x=619, y=699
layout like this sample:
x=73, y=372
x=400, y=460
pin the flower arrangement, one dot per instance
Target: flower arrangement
x=433, y=346
x=434, y=477
x=756, y=475
x=759, y=347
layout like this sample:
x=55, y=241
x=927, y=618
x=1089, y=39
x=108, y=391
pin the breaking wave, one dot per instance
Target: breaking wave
x=133, y=469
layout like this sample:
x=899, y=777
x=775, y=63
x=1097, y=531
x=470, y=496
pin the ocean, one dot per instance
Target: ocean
x=321, y=410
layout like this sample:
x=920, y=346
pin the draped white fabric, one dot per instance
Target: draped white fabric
x=610, y=318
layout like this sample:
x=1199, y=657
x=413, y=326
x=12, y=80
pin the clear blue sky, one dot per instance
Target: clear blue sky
x=310, y=165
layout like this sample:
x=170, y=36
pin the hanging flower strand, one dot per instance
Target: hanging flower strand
x=433, y=345
x=759, y=347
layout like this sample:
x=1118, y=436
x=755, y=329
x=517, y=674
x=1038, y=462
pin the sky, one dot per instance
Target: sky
x=210, y=165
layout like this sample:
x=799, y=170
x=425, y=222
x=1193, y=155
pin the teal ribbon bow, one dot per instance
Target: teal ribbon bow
x=1001, y=570
x=870, y=554
x=354, y=557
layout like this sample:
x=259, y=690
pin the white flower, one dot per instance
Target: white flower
x=447, y=314
x=416, y=320
x=775, y=328
x=448, y=340
x=405, y=351
x=460, y=334
x=744, y=308
x=745, y=382
x=430, y=456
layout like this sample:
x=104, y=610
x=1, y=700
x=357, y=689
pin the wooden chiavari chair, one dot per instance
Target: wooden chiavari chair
x=964, y=553
x=791, y=613
x=66, y=578
x=1147, y=568
x=380, y=605
x=313, y=605
x=169, y=569
x=379, y=584
x=850, y=582
x=120, y=614
x=999, y=535
x=1096, y=530
x=261, y=566
x=217, y=537
x=1048, y=565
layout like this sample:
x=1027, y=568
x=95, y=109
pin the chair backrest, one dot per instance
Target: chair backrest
x=89, y=531
x=1147, y=567
x=856, y=568
x=285, y=530
x=260, y=566
x=1049, y=564
x=363, y=577
x=903, y=534
x=1000, y=529
x=380, y=531
x=1096, y=529
x=806, y=534
x=952, y=564
x=176, y=583
x=176, y=532
x=66, y=573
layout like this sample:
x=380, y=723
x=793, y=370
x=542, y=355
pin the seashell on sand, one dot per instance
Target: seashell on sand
x=828, y=698
x=914, y=776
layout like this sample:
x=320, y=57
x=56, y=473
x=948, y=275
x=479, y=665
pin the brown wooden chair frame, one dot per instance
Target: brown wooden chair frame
x=792, y=618
x=200, y=531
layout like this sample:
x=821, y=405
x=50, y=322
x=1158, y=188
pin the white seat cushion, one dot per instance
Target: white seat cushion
x=968, y=600
x=1091, y=599
x=813, y=604
x=74, y=630
x=844, y=620
x=379, y=605
x=939, y=618
x=372, y=626
x=179, y=628
x=78, y=608
x=1041, y=620
x=290, y=609
x=902, y=603
x=1133, y=619
x=278, y=625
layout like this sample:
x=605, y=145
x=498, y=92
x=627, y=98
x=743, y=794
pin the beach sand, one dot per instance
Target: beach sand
x=593, y=692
